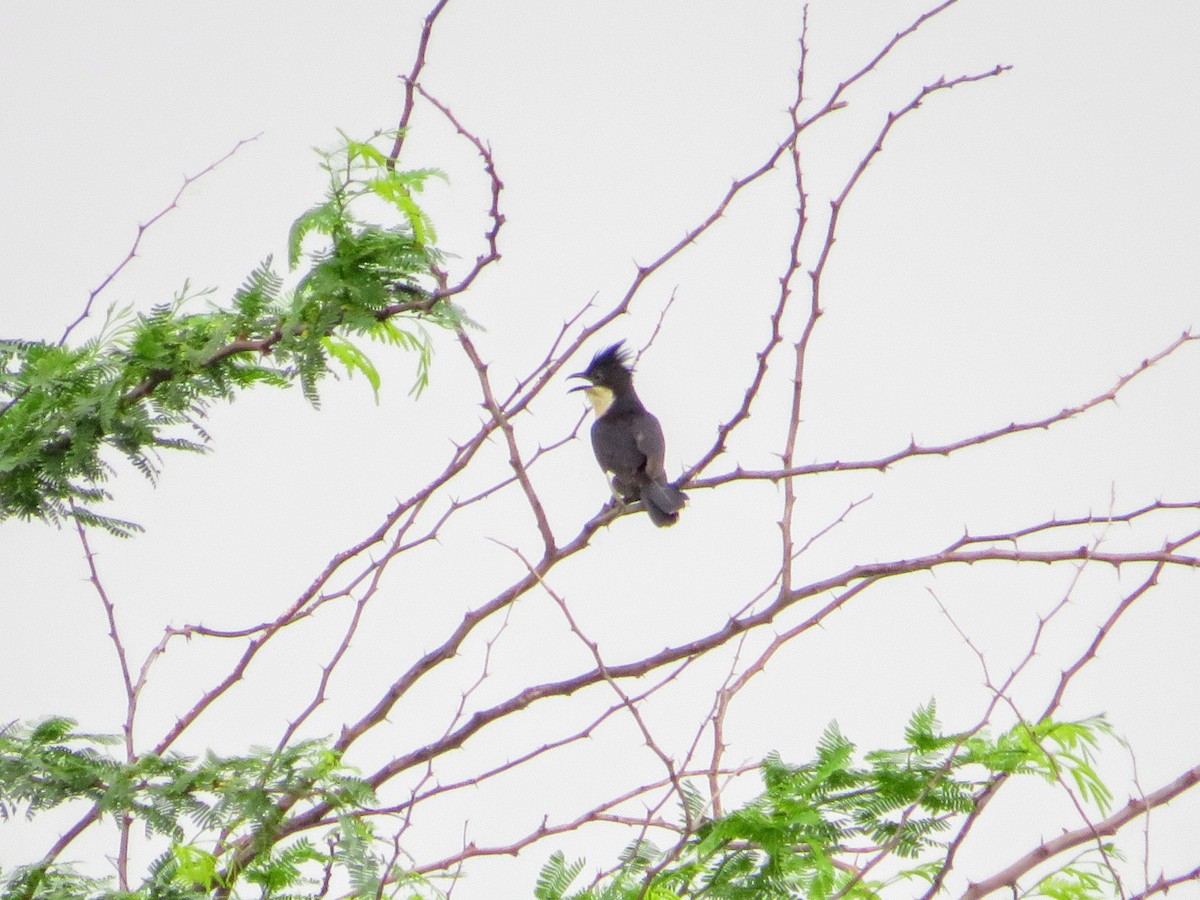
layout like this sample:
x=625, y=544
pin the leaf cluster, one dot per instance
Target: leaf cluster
x=220, y=818
x=65, y=410
x=810, y=831
x=223, y=820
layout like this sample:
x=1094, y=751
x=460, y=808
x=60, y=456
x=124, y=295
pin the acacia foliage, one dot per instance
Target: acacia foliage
x=893, y=805
x=146, y=382
x=221, y=821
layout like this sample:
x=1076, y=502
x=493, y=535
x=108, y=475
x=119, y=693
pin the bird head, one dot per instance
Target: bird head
x=608, y=372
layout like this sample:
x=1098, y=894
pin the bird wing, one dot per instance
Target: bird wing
x=650, y=442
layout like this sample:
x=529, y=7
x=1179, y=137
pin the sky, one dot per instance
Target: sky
x=1019, y=244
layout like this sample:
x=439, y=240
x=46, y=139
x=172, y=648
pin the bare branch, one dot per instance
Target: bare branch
x=514, y=452
x=1164, y=884
x=489, y=165
x=1008, y=877
x=914, y=450
x=410, y=81
x=188, y=181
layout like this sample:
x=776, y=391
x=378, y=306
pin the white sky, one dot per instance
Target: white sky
x=1019, y=244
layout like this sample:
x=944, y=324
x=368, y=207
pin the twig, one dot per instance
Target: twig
x=489, y=166
x=188, y=181
x=411, y=79
x=1008, y=876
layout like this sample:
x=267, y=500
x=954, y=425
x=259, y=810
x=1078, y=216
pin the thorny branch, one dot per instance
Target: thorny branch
x=188, y=181
x=1008, y=876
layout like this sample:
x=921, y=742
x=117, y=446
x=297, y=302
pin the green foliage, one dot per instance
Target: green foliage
x=47, y=765
x=226, y=823
x=64, y=410
x=1087, y=880
x=815, y=825
x=556, y=877
x=222, y=820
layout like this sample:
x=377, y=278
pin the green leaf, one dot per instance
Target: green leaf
x=366, y=152
x=327, y=219
x=921, y=731
x=354, y=360
x=396, y=192
x=194, y=866
x=556, y=877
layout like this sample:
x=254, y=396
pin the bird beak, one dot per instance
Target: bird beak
x=582, y=387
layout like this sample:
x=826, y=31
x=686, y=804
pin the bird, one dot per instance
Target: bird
x=627, y=439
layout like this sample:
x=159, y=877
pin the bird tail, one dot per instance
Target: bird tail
x=663, y=502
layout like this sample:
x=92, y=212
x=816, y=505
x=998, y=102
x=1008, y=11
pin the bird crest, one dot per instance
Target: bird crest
x=609, y=362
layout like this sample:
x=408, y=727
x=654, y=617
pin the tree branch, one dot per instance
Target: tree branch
x=1008, y=877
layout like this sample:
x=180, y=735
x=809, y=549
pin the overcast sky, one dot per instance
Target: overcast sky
x=1019, y=244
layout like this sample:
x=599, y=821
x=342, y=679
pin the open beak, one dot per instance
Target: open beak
x=582, y=387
